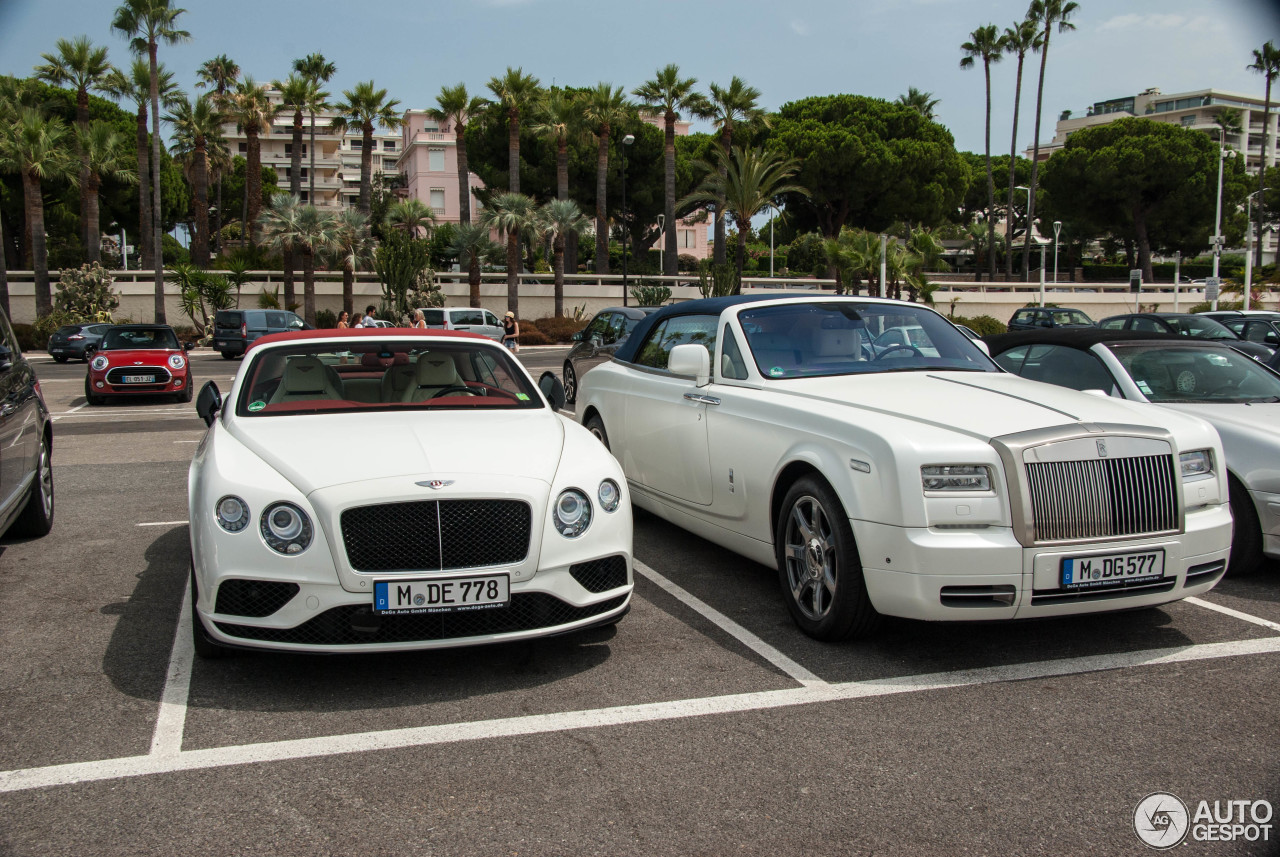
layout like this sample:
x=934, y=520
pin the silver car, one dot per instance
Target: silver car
x=596, y=342
x=479, y=321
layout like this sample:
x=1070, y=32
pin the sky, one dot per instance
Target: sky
x=788, y=50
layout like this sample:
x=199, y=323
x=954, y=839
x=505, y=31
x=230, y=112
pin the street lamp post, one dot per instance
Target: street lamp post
x=771, y=211
x=1057, y=228
x=1028, y=190
x=1248, y=256
x=1043, y=242
x=626, y=142
x=1217, y=217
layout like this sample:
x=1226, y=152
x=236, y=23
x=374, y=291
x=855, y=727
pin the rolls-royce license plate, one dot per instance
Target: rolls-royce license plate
x=442, y=594
x=1112, y=570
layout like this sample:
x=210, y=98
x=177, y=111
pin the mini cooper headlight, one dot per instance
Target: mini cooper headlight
x=177, y=361
x=571, y=513
x=956, y=477
x=286, y=528
x=99, y=363
x=1196, y=464
x=609, y=495
x=232, y=513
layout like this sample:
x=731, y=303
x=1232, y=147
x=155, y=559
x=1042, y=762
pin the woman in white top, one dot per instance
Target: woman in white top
x=418, y=320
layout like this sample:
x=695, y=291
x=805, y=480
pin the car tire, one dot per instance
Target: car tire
x=570, y=379
x=819, y=569
x=1246, y=536
x=36, y=519
x=59, y=358
x=89, y=396
x=226, y=355
x=595, y=425
x=205, y=648
x=185, y=395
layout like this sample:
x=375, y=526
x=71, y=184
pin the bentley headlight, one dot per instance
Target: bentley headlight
x=232, y=514
x=286, y=528
x=99, y=362
x=177, y=361
x=1196, y=464
x=572, y=513
x=609, y=495
x=956, y=477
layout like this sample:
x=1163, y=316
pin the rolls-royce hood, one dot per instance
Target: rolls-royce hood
x=320, y=451
x=982, y=405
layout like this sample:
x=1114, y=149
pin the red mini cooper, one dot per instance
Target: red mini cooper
x=139, y=359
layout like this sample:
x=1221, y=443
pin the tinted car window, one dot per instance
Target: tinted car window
x=1112, y=324
x=228, y=319
x=433, y=316
x=1172, y=374
x=491, y=319
x=139, y=338
x=1199, y=327
x=677, y=330
x=1058, y=365
x=1146, y=324
x=596, y=329
x=468, y=316
x=1070, y=316
x=731, y=363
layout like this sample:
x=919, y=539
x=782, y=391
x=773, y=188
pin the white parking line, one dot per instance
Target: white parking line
x=161, y=523
x=166, y=741
x=450, y=733
x=732, y=628
x=1257, y=620
x=67, y=413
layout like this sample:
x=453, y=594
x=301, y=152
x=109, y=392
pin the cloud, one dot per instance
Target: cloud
x=1160, y=21
x=800, y=28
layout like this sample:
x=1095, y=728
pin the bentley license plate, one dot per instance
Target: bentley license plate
x=1108, y=570
x=441, y=595
x=139, y=379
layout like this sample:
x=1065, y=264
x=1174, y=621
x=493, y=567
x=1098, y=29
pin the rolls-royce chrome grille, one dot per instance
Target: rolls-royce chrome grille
x=436, y=535
x=1102, y=498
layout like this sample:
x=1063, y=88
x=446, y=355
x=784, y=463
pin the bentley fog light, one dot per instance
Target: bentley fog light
x=177, y=361
x=286, y=528
x=956, y=477
x=1196, y=464
x=609, y=495
x=232, y=514
x=571, y=513
x=100, y=362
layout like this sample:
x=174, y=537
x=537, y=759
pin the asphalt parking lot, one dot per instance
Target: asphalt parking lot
x=704, y=723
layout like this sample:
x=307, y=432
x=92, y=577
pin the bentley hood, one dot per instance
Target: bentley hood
x=337, y=449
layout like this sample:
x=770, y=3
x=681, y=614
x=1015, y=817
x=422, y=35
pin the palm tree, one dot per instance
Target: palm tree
x=472, y=245
x=454, y=106
x=1266, y=62
x=559, y=219
x=516, y=93
x=1047, y=14
x=1020, y=38
x=668, y=95
x=290, y=225
x=920, y=101
x=855, y=254
x=107, y=153
x=83, y=67
x=748, y=180
x=136, y=86
x=364, y=107
x=253, y=111
x=318, y=70
x=509, y=214
x=737, y=103
x=36, y=148
x=296, y=92
x=220, y=73
x=410, y=215
x=560, y=119
x=352, y=249
x=985, y=43
x=147, y=23
x=194, y=127
x=603, y=108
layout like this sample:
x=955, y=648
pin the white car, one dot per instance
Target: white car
x=937, y=488
x=367, y=490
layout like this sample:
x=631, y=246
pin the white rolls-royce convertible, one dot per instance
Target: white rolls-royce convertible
x=909, y=477
x=375, y=489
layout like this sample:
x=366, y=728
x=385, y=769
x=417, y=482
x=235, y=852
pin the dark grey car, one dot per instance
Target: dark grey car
x=26, y=444
x=1258, y=326
x=76, y=341
x=1194, y=325
x=234, y=330
x=596, y=342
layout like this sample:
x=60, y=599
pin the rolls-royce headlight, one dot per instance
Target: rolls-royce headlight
x=286, y=528
x=572, y=513
x=1196, y=464
x=232, y=514
x=99, y=363
x=956, y=477
x=177, y=361
x=609, y=495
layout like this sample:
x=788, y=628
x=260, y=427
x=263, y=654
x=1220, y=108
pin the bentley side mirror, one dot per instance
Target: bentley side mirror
x=552, y=388
x=209, y=402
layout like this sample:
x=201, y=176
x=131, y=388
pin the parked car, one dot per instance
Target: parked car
x=234, y=330
x=1193, y=325
x=26, y=444
x=1240, y=398
x=1253, y=325
x=1032, y=318
x=468, y=512
x=597, y=342
x=76, y=341
x=139, y=360
x=378, y=322
x=479, y=321
x=937, y=488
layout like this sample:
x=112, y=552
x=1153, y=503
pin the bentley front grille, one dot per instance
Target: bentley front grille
x=1107, y=497
x=436, y=535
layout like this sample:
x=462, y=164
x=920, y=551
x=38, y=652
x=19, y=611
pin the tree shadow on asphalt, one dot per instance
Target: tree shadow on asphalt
x=137, y=658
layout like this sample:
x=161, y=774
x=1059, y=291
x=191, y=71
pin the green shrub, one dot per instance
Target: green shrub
x=173, y=251
x=531, y=335
x=559, y=330
x=326, y=318
x=27, y=339
x=983, y=325
x=46, y=324
x=687, y=263
x=651, y=295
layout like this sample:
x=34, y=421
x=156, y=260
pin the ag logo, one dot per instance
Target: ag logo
x=1161, y=820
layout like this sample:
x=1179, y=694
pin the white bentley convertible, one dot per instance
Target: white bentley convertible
x=908, y=477
x=381, y=489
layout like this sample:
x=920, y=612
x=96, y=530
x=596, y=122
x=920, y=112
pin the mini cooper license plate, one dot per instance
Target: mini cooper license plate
x=1112, y=570
x=441, y=595
x=139, y=379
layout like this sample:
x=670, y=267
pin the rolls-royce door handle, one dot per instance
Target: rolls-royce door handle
x=698, y=397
